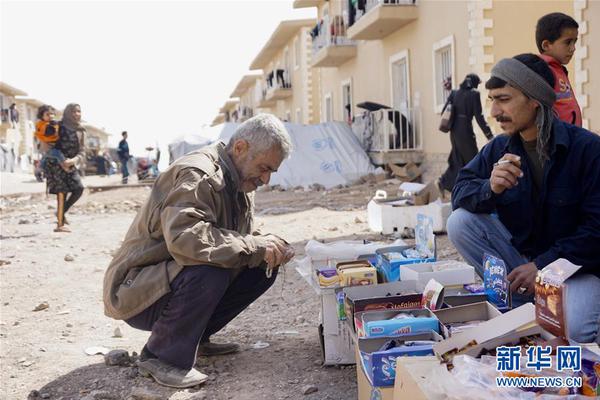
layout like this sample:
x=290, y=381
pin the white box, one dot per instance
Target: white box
x=456, y=273
x=390, y=217
x=337, y=342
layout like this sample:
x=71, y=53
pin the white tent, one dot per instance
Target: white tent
x=188, y=143
x=328, y=154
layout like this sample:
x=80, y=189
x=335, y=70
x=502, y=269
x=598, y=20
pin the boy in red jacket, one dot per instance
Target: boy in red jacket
x=555, y=36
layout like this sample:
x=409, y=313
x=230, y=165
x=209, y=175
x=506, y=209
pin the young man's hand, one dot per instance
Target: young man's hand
x=522, y=279
x=506, y=173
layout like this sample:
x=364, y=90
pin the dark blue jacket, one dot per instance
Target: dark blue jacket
x=568, y=206
x=123, y=150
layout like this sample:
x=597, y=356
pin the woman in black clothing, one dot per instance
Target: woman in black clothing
x=66, y=184
x=466, y=104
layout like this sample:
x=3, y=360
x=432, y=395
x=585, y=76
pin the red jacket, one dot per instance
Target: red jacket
x=566, y=105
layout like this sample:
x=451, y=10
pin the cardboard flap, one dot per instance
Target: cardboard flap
x=499, y=326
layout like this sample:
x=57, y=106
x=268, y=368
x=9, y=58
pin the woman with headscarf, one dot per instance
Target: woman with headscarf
x=466, y=104
x=66, y=183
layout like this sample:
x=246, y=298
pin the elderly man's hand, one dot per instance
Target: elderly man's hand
x=523, y=277
x=278, y=252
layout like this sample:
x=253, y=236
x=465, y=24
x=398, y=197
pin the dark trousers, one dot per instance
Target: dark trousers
x=203, y=299
x=124, y=169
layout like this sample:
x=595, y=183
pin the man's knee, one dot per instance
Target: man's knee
x=457, y=222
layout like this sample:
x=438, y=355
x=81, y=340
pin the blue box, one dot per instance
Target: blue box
x=374, y=324
x=401, y=326
x=379, y=365
x=389, y=266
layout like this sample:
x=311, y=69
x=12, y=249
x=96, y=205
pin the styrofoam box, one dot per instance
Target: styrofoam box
x=457, y=273
x=389, y=218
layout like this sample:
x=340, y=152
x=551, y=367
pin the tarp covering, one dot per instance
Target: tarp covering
x=328, y=154
x=188, y=143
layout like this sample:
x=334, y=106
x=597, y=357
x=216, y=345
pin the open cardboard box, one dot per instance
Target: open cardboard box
x=455, y=273
x=366, y=391
x=380, y=324
x=502, y=330
x=483, y=311
x=394, y=295
x=460, y=296
x=380, y=365
x=413, y=378
x=388, y=263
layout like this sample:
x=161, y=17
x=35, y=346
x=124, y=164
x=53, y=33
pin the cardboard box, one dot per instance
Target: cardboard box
x=389, y=259
x=337, y=342
x=356, y=273
x=380, y=365
x=448, y=273
x=382, y=323
x=459, y=296
x=366, y=391
x=483, y=311
x=503, y=329
x=550, y=296
x=413, y=378
x=386, y=296
x=408, y=172
x=394, y=215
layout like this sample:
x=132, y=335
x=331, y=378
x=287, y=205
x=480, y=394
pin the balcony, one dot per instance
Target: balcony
x=279, y=85
x=306, y=3
x=391, y=136
x=331, y=46
x=260, y=97
x=381, y=18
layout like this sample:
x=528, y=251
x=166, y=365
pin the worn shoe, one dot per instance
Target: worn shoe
x=169, y=375
x=217, y=349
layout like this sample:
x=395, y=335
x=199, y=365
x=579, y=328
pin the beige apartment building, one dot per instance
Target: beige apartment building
x=398, y=53
x=286, y=87
x=11, y=136
x=282, y=80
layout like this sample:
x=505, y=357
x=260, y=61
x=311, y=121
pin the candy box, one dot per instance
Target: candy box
x=355, y=273
x=378, y=355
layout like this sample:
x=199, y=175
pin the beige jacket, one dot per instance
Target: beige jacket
x=194, y=215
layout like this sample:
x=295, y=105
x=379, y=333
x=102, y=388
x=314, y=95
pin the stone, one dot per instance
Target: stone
x=45, y=395
x=117, y=357
x=358, y=220
x=140, y=393
x=24, y=221
x=42, y=306
x=117, y=333
x=308, y=389
x=69, y=257
x=34, y=394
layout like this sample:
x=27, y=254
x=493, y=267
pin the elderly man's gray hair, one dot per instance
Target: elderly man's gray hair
x=263, y=132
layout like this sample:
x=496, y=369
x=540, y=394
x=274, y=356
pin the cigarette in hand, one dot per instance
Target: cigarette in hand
x=502, y=162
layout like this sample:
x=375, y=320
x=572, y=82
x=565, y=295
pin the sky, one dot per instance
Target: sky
x=157, y=69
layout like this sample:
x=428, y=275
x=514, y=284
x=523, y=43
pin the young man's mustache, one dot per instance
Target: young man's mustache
x=503, y=119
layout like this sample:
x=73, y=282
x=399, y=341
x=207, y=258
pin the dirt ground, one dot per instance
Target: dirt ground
x=42, y=352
